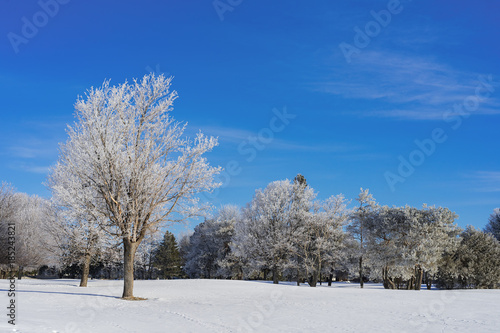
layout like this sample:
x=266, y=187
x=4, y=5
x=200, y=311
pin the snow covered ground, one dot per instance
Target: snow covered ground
x=245, y=306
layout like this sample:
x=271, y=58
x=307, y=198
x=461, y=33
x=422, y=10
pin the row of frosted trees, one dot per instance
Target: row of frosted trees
x=49, y=245
x=283, y=233
x=286, y=233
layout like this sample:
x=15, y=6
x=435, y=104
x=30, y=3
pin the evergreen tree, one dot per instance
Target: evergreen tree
x=167, y=257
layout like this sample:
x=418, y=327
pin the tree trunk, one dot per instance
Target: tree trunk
x=85, y=270
x=313, y=279
x=361, y=283
x=129, y=249
x=418, y=277
x=298, y=276
x=428, y=280
x=275, y=276
x=388, y=283
x=330, y=278
x=411, y=283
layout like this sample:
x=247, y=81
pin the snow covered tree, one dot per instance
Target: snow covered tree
x=493, y=226
x=7, y=211
x=83, y=243
x=31, y=214
x=80, y=233
x=184, y=246
x=209, y=254
x=357, y=227
x=145, y=255
x=228, y=264
x=262, y=237
x=320, y=239
x=167, y=257
x=201, y=260
x=301, y=211
x=474, y=264
x=405, y=241
x=6, y=200
x=127, y=161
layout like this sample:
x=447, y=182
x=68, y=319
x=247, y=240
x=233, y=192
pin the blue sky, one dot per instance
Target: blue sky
x=401, y=98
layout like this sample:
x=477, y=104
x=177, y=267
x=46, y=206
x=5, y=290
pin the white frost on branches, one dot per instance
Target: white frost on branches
x=128, y=164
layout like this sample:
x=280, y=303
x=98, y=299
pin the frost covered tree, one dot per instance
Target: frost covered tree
x=302, y=204
x=262, y=237
x=493, y=226
x=209, y=254
x=144, y=257
x=201, y=257
x=7, y=211
x=6, y=200
x=319, y=240
x=83, y=241
x=30, y=215
x=229, y=265
x=357, y=227
x=474, y=263
x=79, y=229
x=184, y=246
x=405, y=242
x=127, y=161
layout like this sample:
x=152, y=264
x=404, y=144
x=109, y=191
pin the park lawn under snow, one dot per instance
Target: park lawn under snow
x=245, y=306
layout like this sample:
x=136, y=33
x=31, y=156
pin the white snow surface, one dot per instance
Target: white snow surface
x=244, y=306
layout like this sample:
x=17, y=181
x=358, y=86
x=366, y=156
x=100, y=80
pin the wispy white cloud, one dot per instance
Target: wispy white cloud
x=226, y=134
x=404, y=86
x=37, y=169
x=31, y=152
x=29, y=167
x=238, y=136
x=486, y=181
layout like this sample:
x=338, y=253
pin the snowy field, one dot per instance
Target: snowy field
x=245, y=306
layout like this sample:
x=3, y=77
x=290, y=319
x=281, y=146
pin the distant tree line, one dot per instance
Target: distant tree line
x=284, y=233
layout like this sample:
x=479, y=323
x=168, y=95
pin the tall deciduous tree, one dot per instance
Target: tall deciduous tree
x=78, y=229
x=357, y=228
x=83, y=242
x=30, y=215
x=302, y=202
x=474, y=263
x=209, y=253
x=7, y=210
x=263, y=237
x=320, y=238
x=128, y=162
x=406, y=241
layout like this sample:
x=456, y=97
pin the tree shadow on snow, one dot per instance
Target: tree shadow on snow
x=61, y=293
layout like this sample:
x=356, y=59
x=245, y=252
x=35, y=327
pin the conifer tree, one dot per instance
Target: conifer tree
x=167, y=257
